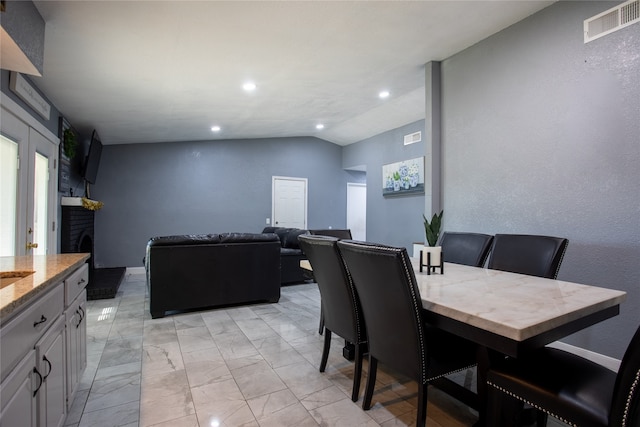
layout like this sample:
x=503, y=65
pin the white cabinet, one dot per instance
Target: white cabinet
x=18, y=405
x=76, y=326
x=43, y=353
x=52, y=396
x=33, y=363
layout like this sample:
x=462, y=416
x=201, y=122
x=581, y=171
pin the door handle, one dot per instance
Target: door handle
x=31, y=245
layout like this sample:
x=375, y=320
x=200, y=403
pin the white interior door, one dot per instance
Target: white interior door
x=289, y=202
x=357, y=210
x=28, y=189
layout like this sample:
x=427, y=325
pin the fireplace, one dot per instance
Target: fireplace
x=77, y=235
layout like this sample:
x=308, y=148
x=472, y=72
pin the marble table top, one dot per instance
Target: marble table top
x=515, y=306
x=48, y=270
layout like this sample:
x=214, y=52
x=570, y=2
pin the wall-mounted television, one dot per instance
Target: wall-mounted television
x=92, y=161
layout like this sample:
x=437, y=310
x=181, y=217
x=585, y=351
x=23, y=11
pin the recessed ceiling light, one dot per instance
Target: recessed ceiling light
x=319, y=126
x=249, y=86
x=384, y=94
x=215, y=128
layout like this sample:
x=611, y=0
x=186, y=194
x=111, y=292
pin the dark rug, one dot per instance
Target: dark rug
x=104, y=282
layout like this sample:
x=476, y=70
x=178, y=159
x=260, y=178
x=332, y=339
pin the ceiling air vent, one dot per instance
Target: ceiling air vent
x=611, y=20
x=414, y=137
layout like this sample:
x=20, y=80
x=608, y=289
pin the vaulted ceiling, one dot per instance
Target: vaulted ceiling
x=155, y=71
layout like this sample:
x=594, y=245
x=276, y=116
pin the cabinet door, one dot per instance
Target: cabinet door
x=52, y=397
x=76, y=327
x=18, y=406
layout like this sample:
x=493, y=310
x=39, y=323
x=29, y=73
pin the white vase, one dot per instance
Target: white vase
x=436, y=253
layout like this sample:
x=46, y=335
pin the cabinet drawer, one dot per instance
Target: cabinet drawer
x=20, y=334
x=75, y=283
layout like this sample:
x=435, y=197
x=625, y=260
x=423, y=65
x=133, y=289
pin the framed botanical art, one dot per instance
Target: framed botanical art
x=401, y=178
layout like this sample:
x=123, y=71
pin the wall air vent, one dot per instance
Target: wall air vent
x=415, y=137
x=611, y=20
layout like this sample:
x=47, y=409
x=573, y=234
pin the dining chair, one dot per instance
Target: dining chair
x=397, y=333
x=333, y=232
x=528, y=254
x=466, y=248
x=573, y=389
x=340, y=303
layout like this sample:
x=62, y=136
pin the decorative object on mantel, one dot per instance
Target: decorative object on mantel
x=432, y=252
x=403, y=178
x=70, y=143
x=92, y=205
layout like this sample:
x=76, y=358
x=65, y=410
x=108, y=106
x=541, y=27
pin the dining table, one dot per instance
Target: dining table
x=509, y=314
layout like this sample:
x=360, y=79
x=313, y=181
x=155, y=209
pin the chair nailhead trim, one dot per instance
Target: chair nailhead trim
x=632, y=391
x=531, y=404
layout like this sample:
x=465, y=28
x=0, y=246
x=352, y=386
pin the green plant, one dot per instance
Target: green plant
x=432, y=229
x=70, y=143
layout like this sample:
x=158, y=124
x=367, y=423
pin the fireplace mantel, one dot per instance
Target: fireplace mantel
x=93, y=205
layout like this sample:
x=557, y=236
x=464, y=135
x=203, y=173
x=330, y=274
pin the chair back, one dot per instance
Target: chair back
x=528, y=254
x=466, y=248
x=385, y=282
x=625, y=406
x=340, y=304
x=333, y=232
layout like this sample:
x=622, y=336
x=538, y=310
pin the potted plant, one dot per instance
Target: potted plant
x=432, y=233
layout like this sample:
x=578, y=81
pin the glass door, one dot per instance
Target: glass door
x=40, y=195
x=27, y=189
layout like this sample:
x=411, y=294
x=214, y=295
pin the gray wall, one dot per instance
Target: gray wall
x=541, y=134
x=392, y=220
x=208, y=187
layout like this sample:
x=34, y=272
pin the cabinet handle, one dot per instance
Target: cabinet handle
x=42, y=320
x=81, y=281
x=50, y=368
x=35, y=371
x=79, y=320
x=83, y=314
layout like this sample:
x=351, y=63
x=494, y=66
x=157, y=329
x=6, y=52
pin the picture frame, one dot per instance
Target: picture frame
x=403, y=178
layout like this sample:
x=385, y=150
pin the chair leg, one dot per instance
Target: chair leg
x=421, y=421
x=371, y=382
x=357, y=373
x=321, y=326
x=325, y=350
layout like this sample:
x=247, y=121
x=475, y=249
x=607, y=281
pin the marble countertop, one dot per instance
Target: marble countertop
x=48, y=270
x=515, y=306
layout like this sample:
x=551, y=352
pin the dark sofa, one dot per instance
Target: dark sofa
x=290, y=254
x=197, y=271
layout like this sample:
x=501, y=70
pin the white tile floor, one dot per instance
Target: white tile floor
x=254, y=365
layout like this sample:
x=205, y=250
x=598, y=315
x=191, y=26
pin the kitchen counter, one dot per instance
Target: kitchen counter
x=48, y=270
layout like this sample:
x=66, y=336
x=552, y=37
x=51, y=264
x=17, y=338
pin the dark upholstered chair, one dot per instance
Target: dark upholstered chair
x=397, y=333
x=340, y=303
x=568, y=387
x=333, y=232
x=466, y=248
x=528, y=254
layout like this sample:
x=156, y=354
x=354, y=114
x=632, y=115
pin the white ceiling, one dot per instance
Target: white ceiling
x=155, y=71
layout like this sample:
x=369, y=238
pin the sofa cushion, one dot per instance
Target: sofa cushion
x=185, y=239
x=248, y=237
x=291, y=238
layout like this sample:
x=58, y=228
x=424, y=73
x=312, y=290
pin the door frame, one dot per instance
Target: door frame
x=273, y=198
x=12, y=107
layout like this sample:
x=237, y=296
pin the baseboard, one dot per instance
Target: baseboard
x=136, y=270
x=609, y=362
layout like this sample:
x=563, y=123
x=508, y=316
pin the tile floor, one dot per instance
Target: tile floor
x=253, y=365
